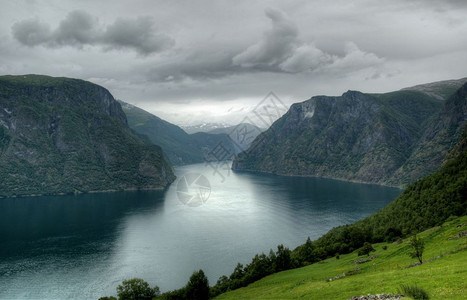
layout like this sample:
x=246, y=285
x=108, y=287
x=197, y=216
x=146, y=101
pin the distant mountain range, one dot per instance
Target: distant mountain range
x=180, y=147
x=61, y=135
x=204, y=127
x=242, y=135
x=393, y=138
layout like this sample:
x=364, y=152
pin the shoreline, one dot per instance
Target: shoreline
x=87, y=192
x=400, y=187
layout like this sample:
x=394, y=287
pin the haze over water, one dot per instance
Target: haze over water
x=83, y=246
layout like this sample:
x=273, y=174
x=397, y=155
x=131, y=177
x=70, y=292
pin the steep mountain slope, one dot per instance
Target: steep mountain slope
x=61, y=135
x=440, y=90
x=242, y=135
x=440, y=136
x=373, y=138
x=181, y=148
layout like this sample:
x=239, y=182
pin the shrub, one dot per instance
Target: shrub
x=366, y=249
x=415, y=292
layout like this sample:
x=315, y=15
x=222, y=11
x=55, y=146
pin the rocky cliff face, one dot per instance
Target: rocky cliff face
x=60, y=135
x=358, y=137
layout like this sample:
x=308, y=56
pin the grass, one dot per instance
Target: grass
x=443, y=278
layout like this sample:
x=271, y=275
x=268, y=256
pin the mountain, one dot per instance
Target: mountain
x=440, y=90
x=61, y=135
x=242, y=135
x=180, y=147
x=373, y=138
x=204, y=127
x=439, y=137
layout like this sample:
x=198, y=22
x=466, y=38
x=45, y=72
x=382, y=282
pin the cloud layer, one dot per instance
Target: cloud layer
x=182, y=56
x=281, y=50
x=80, y=29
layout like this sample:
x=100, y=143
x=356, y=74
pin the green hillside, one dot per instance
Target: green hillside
x=423, y=204
x=442, y=278
x=62, y=135
x=440, y=89
x=180, y=147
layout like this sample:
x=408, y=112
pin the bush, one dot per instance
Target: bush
x=136, y=289
x=414, y=291
x=366, y=249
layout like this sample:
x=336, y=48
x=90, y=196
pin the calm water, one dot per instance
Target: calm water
x=84, y=246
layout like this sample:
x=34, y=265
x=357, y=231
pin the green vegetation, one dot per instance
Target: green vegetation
x=442, y=276
x=366, y=249
x=415, y=292
x=181, y=148
x=393, y=138
x=424, y=204
x=197, y=288
x=60, y=135
x=418, y=246
x=439, y=90
x=136, y=289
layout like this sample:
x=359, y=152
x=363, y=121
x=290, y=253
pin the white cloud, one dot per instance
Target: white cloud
x=305, y=58
x=354, y=59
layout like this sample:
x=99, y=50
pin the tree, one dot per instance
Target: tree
x=136, y=289
x=197, y=287
x=366, y=249
x=283, y=259
x=418, y=246
x=306, y=252
x=238, y=272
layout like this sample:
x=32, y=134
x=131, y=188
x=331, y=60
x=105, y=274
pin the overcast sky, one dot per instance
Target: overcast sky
x=193, y=61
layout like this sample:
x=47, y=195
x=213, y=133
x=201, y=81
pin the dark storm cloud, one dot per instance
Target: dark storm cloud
x=137, y=34
x=274, y=47
x=31, y=32
x=77, y=29
x=80, y=29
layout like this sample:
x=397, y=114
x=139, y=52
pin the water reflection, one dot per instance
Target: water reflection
x=84, y=246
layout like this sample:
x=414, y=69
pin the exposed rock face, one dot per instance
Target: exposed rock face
x=60, y=135
x=372, y=138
